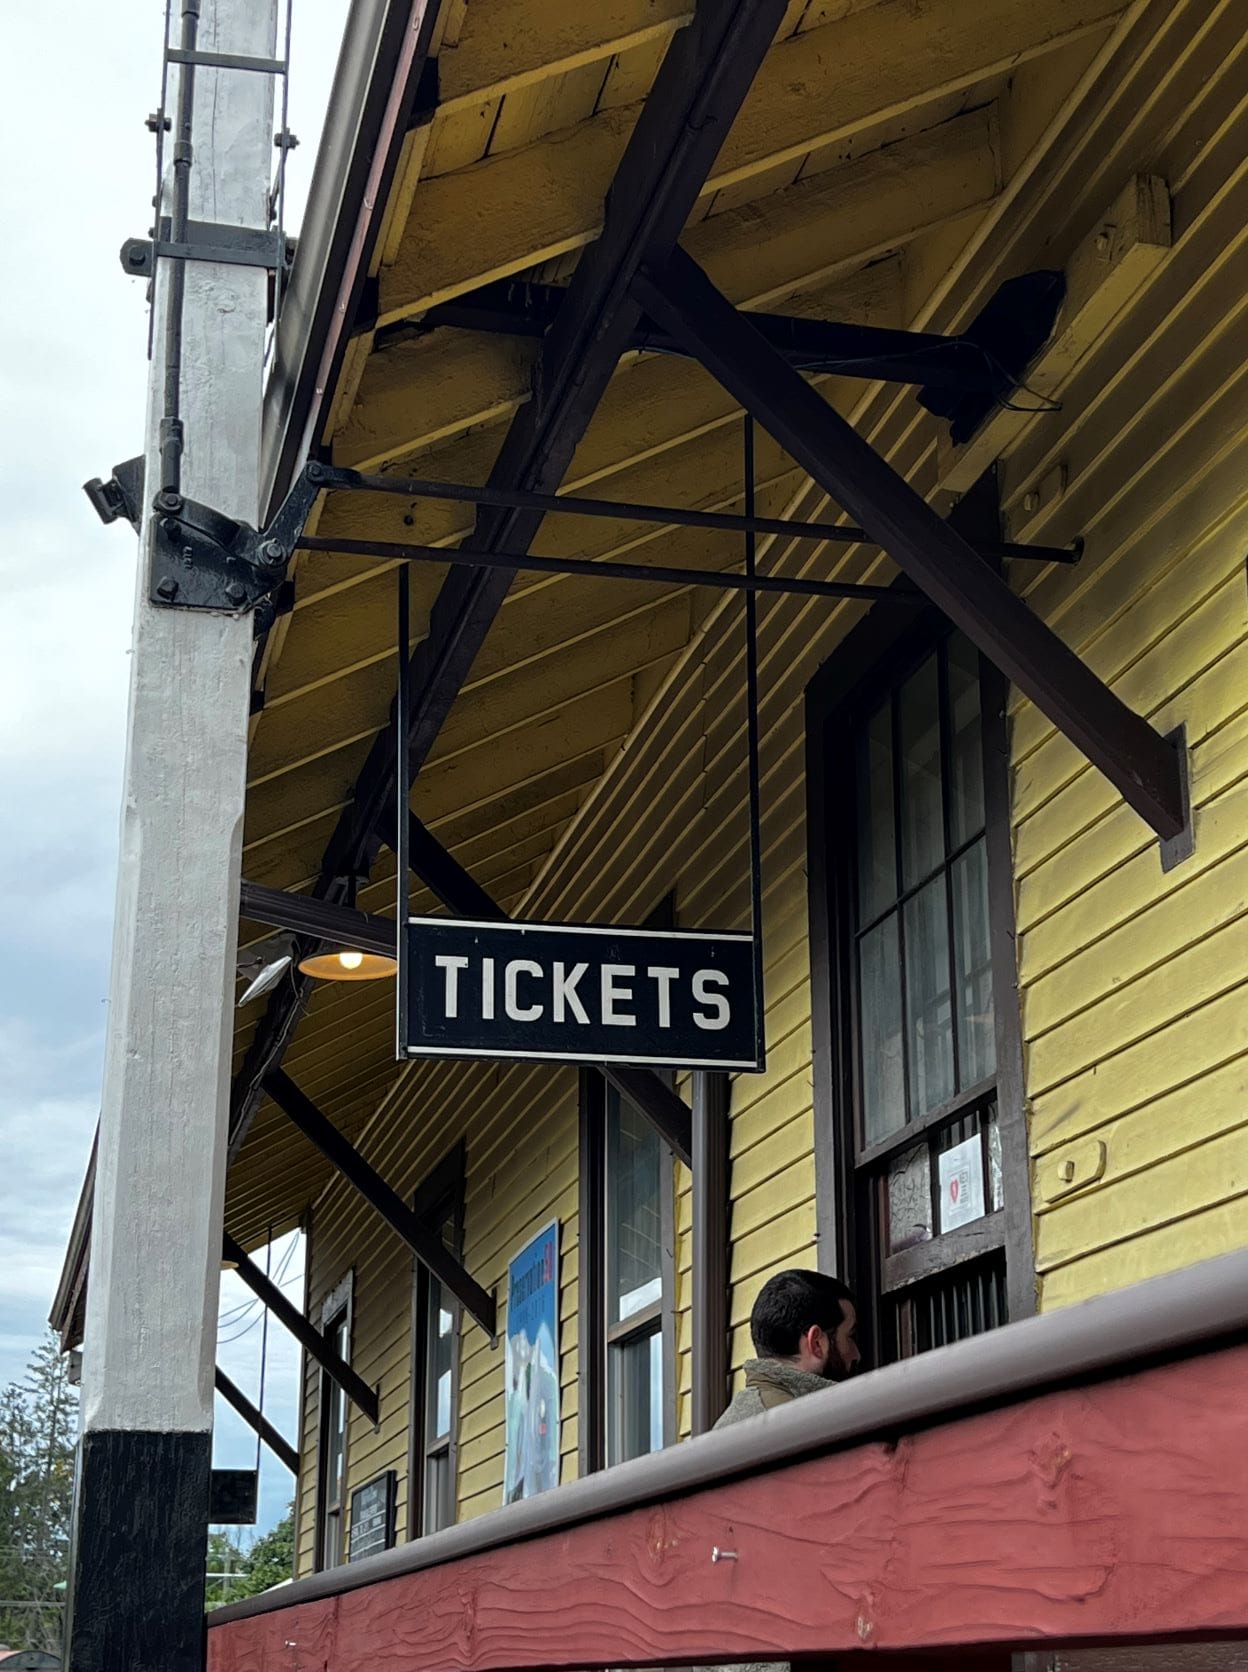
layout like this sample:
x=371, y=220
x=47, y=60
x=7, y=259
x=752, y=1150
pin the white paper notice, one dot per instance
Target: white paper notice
x=962, y=1184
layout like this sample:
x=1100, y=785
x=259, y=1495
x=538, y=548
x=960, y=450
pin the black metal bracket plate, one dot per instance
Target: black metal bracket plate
x=121, y=495
x=236, y=246
x=201, y=560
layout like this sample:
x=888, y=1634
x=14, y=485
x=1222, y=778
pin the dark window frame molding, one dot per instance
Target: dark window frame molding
x=440, y=1196
x=872, y=656
x=338, y=1303
x=594, y=1338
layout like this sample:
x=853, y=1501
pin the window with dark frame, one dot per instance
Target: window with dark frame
x=332, y=1447
x=435, y=1368
x=628, y=1397
x=928, y=1153
x=635, y=1223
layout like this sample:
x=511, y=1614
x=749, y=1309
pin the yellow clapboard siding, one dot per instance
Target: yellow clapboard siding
x=1194, y=908
x=1138, y=1142
x=1174, y=1055
x=1207, y=703
x=1204, y=631
x=1095, y=916
x=1132, y=1013
x=1185, y=1242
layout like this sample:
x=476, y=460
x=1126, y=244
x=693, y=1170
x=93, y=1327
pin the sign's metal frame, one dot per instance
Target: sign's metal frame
x=405, y=1049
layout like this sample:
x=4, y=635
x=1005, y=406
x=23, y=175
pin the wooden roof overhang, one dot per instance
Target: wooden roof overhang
x=884, y=163
x=1037, y=1487
x=861, y=153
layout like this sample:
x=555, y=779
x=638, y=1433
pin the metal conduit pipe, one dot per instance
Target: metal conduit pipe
x=1166, y=1317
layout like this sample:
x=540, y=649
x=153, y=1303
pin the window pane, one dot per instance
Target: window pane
x=910, y=1199
x=996, y=1179
x=977, y=1044
x=439, y=1492
x=966, y=765
x=441, y=1346
x=883, y=1069
x=922, y=824
x=635, y=1393
x=634, y=1218
x=877, y=846
x=930, y=1028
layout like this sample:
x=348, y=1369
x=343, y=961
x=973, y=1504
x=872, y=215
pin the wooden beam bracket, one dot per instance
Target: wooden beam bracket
x=304, y=1331
x=428, y=1248
x=1145, y=767
x=277, y=1442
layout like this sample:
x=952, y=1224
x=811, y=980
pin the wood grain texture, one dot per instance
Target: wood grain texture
x=1034, y=1524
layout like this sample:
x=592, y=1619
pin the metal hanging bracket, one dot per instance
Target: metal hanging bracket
x=235, y=246
x=202, y=560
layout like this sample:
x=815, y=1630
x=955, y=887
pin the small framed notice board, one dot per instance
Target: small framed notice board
x=371, y=1527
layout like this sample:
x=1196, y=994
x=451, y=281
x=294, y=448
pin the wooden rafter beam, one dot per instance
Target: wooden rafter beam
x=1144, y=766
x=817, y=232
x=255, y=1419
x=303, y=1329
x=427, y=1246
x=512, y=43
x=818, y=89
x=307, y=916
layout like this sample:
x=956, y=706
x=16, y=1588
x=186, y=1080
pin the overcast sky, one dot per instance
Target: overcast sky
x=78, y=179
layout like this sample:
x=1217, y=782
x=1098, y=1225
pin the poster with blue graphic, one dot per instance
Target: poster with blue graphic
x=532, y=1369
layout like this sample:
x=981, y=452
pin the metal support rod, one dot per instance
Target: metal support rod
x=179, y=213
x=751, y=737
x=1140, y=763
x=419, y=487
x=403, y=788
x=725, y=580
x=264, y=1430
x=428, y=1248
x=303, y=1329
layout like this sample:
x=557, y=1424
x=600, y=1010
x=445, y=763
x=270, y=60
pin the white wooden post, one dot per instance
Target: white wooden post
x=137, y=1581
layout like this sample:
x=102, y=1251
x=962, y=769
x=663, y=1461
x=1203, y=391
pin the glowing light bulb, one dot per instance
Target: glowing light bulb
x=350, y=960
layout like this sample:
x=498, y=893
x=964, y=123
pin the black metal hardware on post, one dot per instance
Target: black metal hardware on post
x=234, y=246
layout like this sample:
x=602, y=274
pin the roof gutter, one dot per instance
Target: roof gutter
x=374, y=102
x=1188, y=1311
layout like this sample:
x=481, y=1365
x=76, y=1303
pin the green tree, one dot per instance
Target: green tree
x=236, y=1570
x=38, y=1425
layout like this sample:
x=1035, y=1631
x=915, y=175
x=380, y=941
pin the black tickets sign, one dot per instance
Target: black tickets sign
x=371, y=1527
x=567, y=993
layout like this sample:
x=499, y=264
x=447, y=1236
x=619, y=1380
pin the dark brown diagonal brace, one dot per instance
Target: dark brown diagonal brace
x=304, y=1331
x=307, y=916
x=1144, y=766
x=277, y=1442
x=428, y=1248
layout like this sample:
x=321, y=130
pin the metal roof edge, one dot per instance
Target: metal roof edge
x=384, y=47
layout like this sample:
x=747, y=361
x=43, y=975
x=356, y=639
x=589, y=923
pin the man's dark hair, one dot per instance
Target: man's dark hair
x=791, y=1303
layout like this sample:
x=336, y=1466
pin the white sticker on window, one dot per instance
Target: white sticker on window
x=962, y=1184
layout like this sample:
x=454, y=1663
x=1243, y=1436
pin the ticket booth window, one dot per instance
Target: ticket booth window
x=922, y=1126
